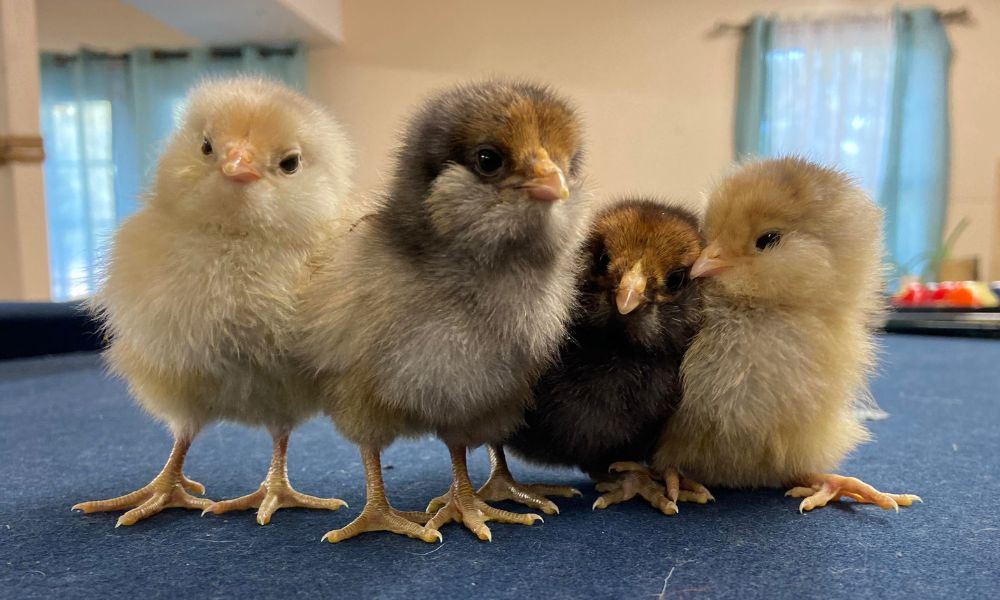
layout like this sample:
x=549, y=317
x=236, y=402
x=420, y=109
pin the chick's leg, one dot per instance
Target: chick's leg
x=166, y=490
x=502, y=486
x=464, y=506
x=275, y=491
x=378, y=515
x=817, y=490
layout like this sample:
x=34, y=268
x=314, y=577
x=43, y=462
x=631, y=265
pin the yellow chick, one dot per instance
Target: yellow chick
x=202, y=281
x=793, y=276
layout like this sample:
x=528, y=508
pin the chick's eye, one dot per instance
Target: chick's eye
x=768, y=240
x=489, y=161
x=290, y=163
x=206, y=146
x=676, y=280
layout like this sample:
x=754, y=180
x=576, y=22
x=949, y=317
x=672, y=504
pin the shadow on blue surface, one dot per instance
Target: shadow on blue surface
x=70, y=433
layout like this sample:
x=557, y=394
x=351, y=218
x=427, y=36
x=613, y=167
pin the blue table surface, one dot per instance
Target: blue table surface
x=71, y=433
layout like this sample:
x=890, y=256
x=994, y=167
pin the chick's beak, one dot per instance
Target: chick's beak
x=631, y=290
x=239, y=166
x=548, y=183
x=710, y=263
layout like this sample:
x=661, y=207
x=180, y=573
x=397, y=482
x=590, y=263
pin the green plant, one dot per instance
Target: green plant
x=928, y=262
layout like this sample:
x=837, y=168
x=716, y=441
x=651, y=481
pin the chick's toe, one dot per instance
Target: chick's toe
x=683, y=489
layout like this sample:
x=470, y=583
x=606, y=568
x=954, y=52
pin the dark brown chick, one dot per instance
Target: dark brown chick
x=617, y=379
x=438, y=312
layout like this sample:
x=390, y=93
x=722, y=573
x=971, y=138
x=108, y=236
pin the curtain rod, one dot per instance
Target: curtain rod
x=958, y=16
x=220, y=52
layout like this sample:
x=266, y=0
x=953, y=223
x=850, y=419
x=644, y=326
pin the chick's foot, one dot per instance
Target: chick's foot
x=625, y=484
x=461, y=504
x=271, y=496
x=275, y=491
x=169, y=489
x=818, y=490
x=502, y=486
x=378, y=515
x=677, y=487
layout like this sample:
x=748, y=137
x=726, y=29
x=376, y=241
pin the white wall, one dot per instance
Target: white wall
x=657, y=92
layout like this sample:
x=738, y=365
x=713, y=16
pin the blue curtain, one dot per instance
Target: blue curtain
x=104, y=120
x=866, y=94
x=914, y=192
x=752, y=89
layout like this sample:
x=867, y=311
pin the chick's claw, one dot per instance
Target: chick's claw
x=822, y=489
x=385, y=518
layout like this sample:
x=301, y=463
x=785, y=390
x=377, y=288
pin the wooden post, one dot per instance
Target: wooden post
x=995, y=233
x=24, y=259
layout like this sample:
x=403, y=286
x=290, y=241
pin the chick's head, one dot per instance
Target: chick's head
x=641, y=253
x=250, y=153
x=493, y=163
x=790, y=232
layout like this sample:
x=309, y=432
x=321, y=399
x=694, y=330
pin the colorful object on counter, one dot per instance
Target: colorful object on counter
x=947, y=294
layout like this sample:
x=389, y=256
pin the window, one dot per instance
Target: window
x=80, y=184
x=867, y=94
x=104, y=120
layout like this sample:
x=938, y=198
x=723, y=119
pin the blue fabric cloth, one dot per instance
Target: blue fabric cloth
x=70, y=433
x=105, y=119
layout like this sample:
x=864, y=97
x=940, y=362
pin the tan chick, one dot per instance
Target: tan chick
x=202, y=280
x=792, y=271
